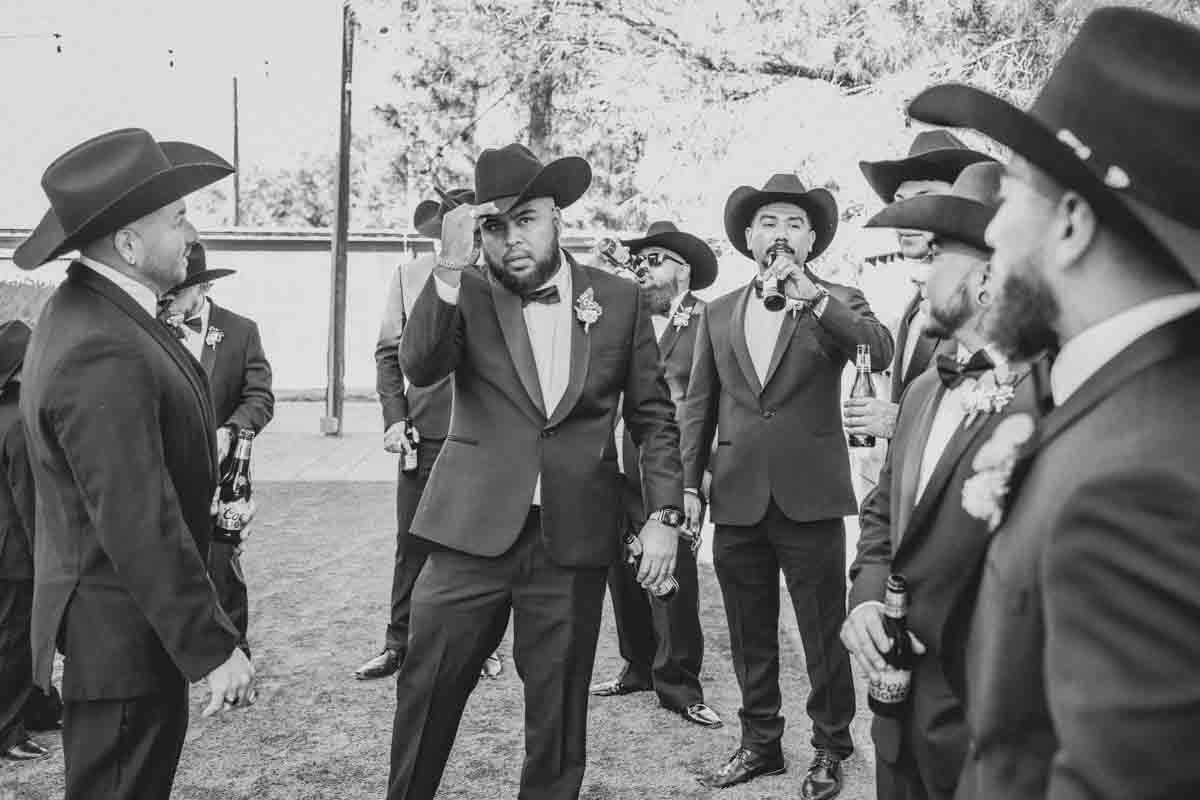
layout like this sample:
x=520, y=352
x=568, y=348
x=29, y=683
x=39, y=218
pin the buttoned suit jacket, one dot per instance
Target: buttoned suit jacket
x=238, y=372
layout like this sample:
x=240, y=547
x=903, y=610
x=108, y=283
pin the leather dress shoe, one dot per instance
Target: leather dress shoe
x=625, y=683
x=380, y=666
x=492, y=667
x=28, y=750
x=823, y=780
x=701, y=714
x=745, y=765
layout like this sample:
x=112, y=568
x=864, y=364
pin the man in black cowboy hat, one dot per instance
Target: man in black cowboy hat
x=914, y=524
x=120, y=434
x=767, y=383
x=662, y=641
x=1081, y=676
x=934, y=161
x=523, y=500
x=230, y=349
x=427, y=410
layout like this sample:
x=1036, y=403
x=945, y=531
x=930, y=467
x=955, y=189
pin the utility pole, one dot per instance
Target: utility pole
x=331, y=423
x=237, y=161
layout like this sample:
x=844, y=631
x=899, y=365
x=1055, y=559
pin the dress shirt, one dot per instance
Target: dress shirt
x=1083, y=356
x=143, y=295
x=193, y=340
x=660, y=322
x=762, y=334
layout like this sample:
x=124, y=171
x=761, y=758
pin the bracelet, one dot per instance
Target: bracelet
x=453, y=267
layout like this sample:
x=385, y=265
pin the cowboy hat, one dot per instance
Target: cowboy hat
x=935, y=155
x=510, y=175
x=1115, y=122
x=107, y=182
x=198, y=271
x=427, y=217
x=783, y=188
x=962, y=214
x=14, y=338
x=692, y=249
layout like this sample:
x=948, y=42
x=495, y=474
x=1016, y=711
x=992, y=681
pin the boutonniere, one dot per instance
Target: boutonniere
x=683, y=317
x=214, y=336
x=988, y=394
x=983, y=494
x=587, y=309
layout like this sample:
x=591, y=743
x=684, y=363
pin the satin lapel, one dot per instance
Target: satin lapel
x=959, y=443
x=791, y=319
x=911, y=469
x=737, y=338
x=673, y=334
x=208, y=353
x=581, y=345
x=516, y=338
x=922, y=355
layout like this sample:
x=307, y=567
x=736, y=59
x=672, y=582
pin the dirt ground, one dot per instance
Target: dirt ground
x=319, y=566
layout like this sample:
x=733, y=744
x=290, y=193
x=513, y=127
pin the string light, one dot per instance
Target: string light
x=171, y=58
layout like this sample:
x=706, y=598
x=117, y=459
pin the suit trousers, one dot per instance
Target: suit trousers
x=460, y=610
x=225, y=570
x=16, y=659
x=125, y=749
x=411, y=551
x=901, y=780
x=812, y=556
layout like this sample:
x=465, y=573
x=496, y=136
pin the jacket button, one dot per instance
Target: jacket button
x=770, y=412
x=548, y=433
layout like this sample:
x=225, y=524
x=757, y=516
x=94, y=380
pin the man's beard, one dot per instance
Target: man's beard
x=1021, y=322
x=658, y=299
x=945, y=321
x=543, y=269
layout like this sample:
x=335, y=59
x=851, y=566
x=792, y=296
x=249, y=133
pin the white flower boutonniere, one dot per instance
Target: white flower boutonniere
x=984, y=492
x=988, y=394
x=214, y=336
x=683, y=317
x=587, y=309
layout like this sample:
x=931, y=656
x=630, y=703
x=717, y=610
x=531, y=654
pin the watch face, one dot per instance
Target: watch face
x=672, y=517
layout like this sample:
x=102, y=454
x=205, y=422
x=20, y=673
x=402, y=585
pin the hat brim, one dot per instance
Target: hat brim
x=694, y=250
x=565, y=180
x=14, y=340
x=963, y=106
x=193, y=168
x=885, y=177
x=745, y=200
x=958, y=218
x=204, y=276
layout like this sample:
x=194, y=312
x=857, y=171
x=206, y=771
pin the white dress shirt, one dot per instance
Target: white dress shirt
x=143, y=295
x=946, y=420
x=194, y=341
x=762, y=333
x=1083, y=356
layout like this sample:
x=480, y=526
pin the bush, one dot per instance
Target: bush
x=23, y=300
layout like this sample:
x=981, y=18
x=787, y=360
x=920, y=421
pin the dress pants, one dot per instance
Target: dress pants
x=812, y=556
x=225, y=570
x=460, y=610
x=900, y=780
x=411, y=551
x=125, y=749
x=16, y=660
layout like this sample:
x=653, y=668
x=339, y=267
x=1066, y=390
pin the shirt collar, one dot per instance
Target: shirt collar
x=1083, y=356
x=143, y=295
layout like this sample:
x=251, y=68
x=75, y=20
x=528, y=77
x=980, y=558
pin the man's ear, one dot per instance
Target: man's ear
x=1076, y=226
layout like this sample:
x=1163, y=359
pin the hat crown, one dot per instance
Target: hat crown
x=662, y=226
x=980, y=182
x=505, y=171
x=99, y=172
x=785, y=182
x=937, y=139
x=197, y=260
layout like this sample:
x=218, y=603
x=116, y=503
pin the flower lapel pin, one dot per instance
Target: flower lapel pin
x=214, y=336
x=984, y=493
x=587, y=310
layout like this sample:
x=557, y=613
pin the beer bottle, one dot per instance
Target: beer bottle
x=619, y=256
x=668, y=587
x=235, y=487
x=888, y=695
x=773, y=298
x=864, y=386
x=409, y=459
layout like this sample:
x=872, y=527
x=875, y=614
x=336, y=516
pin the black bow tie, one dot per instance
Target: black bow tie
x=546, y=294
x=195, y=323
x=953, y=373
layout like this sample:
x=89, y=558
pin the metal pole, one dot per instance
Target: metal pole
x=237, y=161
x=331, y=424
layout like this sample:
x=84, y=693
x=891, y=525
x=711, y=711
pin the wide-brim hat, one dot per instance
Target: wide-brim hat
x=962, y=214
x=783, y=188
x=14, y=339
x=1116, y=122
x=512, y=174
x=694, y=250
x=109, y=181
x=427, y=217
x=198, y=271
x=936, y=155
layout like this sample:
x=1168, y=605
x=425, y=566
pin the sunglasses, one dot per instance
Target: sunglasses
x=657, y=259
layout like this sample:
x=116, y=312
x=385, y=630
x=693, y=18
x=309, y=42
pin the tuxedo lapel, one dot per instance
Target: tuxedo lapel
x=672, y=333
x=581, y=346
x=208, y=353
x=922, y=355
x=791, y=319
x=516, y=339
x=737, y=339
x=911, y=470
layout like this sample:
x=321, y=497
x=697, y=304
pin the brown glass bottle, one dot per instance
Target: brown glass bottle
x=633, y=546
x=234, y=487
x=864, y=386
x=889, y=695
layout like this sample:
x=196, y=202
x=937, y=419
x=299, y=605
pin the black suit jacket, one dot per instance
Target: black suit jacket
x=939, y=548
x=239, y=374
x=121, y=442
x=926, y=350
x=501, y=437
x=1082, y=676
x=16, y=492
x=783, y=440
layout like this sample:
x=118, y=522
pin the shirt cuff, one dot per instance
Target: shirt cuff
x=448, y=293
x=865, y=603
x=692, y=491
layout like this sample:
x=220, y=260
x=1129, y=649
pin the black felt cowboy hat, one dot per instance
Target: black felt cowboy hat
x=14, y=338
x=935, y=155
x=109, y=181
x=784, y=188
x=510, y=175
x=427, y=218
x=962, y=214
x=198, y=271
x=694, y=250
x=1116, y=122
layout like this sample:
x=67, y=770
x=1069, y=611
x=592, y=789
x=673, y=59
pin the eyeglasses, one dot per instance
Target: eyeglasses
x=656, y=259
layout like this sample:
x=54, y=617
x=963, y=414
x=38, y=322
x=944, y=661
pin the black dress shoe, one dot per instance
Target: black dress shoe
x=745, y=765
x=382, y=665
x=623, y=684
x=824, y=778
x=701, y=714
x=28, y=750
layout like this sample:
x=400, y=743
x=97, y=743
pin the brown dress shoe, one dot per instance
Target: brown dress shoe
x=701, y=714
x=823, y=780
x=745, y=765
x=28, y=750
x=380, y=666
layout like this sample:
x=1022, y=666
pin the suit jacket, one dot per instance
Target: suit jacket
x=16, y=492
x=121, y=441
x=926, y=350
x=783, y=440
x=939, y=548
x=238, y=372
x=427, y=406
x=1082, y=662
x=501, y=437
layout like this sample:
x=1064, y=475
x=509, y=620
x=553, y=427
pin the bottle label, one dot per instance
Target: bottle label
x=230, y=519
x=892, y=686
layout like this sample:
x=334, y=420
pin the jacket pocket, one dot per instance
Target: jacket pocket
x=450, y=437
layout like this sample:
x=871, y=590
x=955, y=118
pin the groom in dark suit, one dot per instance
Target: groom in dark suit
x=524, y=497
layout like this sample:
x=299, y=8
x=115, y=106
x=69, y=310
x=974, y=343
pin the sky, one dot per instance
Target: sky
x=115, y=72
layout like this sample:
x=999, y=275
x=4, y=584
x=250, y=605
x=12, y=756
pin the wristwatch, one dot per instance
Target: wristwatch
x=668, y=515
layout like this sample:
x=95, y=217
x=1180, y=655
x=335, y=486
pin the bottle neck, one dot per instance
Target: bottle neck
x=895, y=604
x=242, y=453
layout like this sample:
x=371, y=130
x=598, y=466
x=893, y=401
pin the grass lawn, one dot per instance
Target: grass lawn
x=319, y=567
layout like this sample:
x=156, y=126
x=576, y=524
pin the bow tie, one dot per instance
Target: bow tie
x=953, y=373
x=546, y=294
